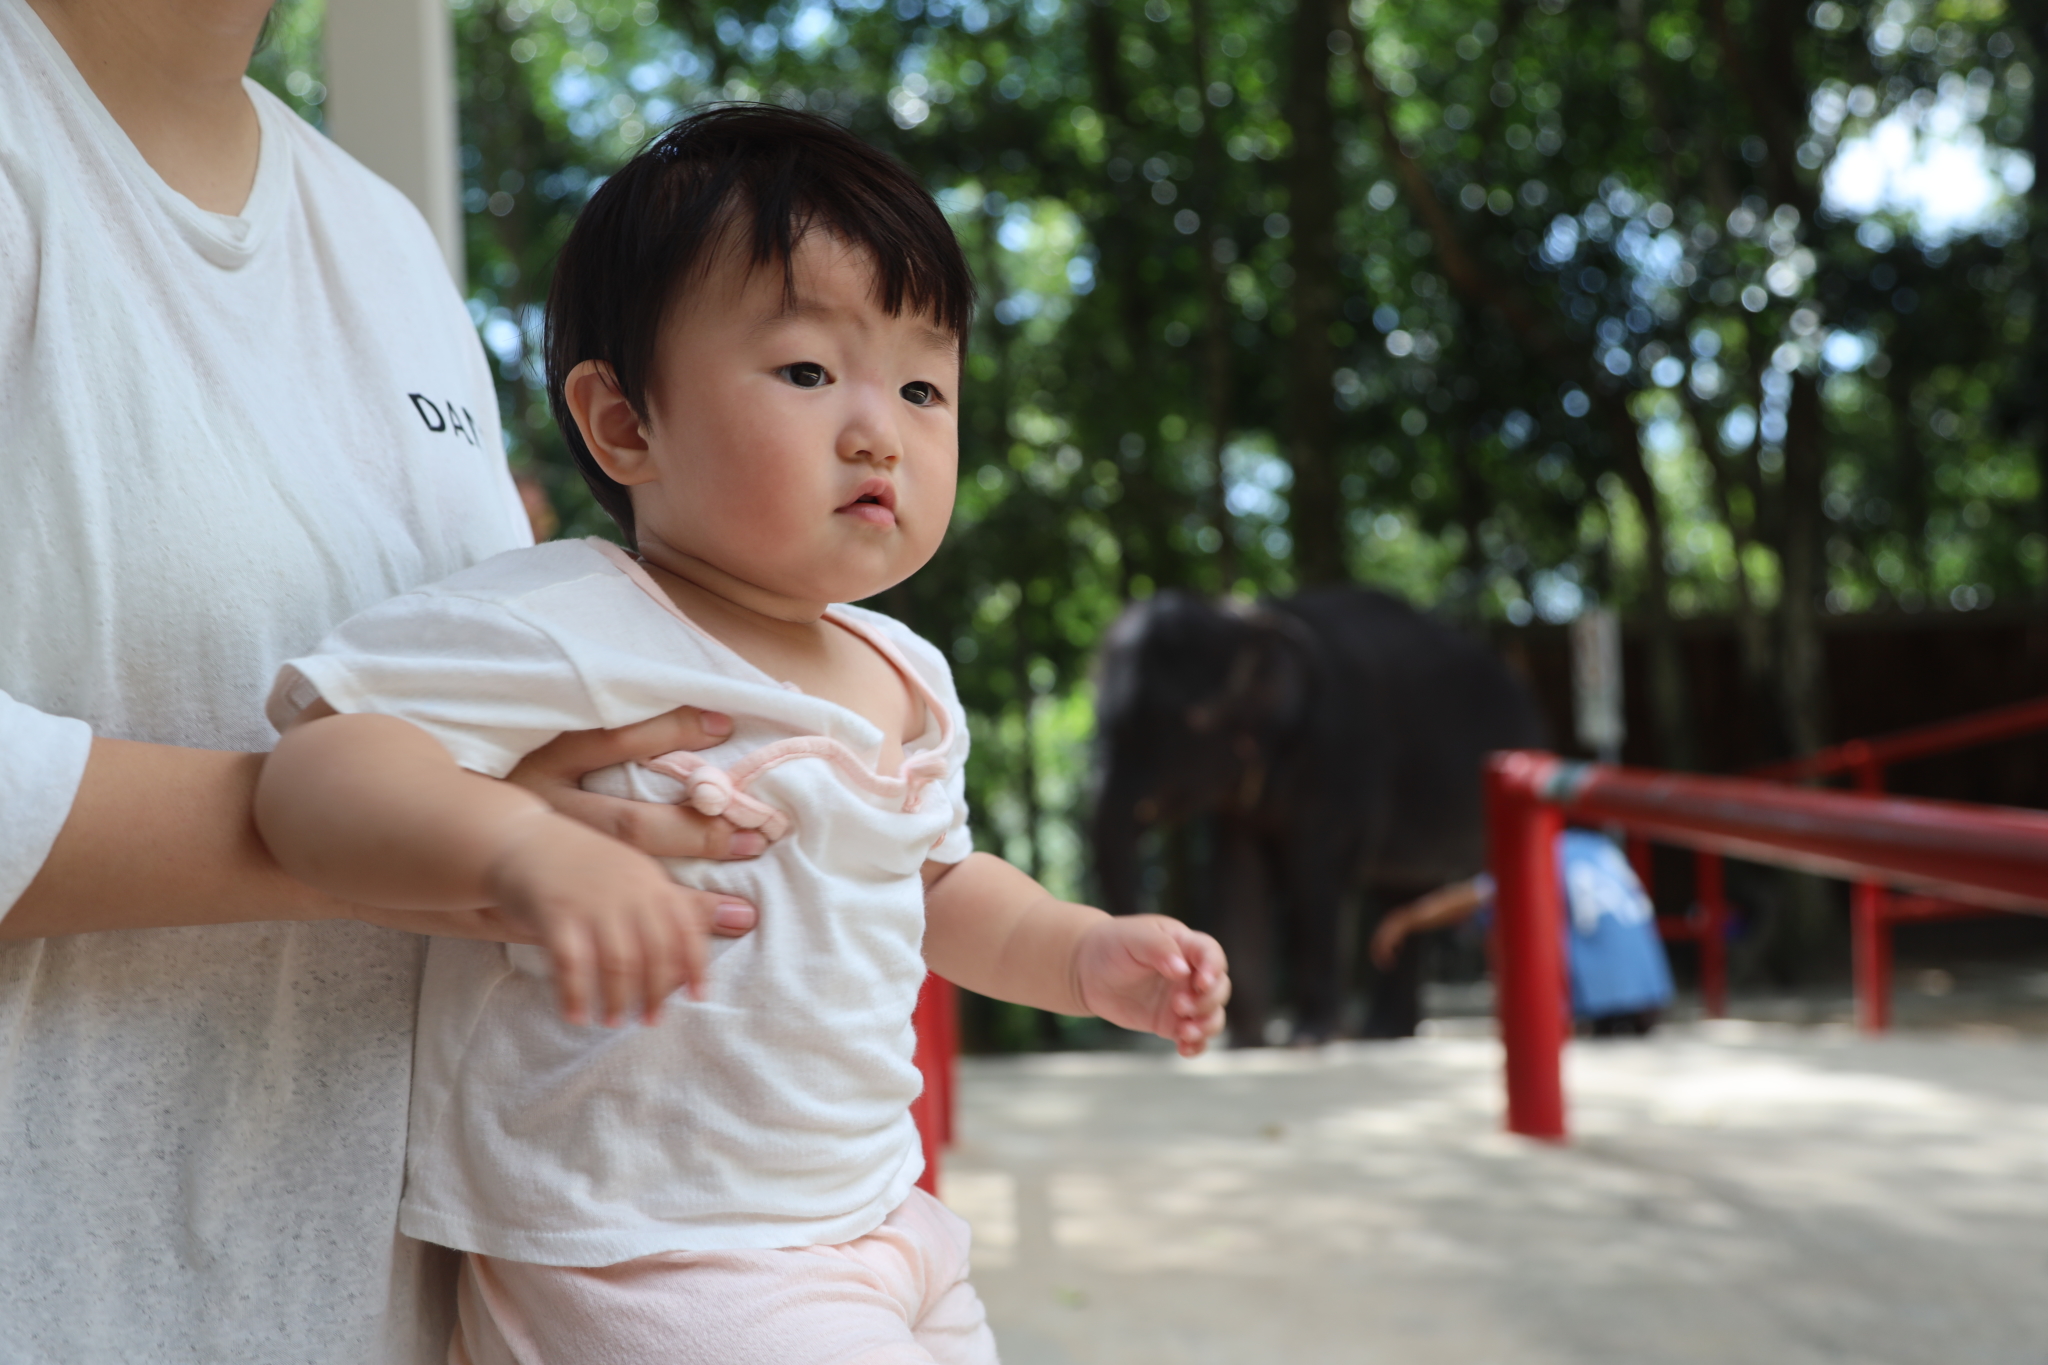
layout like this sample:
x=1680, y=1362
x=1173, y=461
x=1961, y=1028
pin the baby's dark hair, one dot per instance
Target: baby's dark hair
x=766, y=176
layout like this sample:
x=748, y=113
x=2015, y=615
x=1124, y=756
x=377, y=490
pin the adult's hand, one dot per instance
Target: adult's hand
x=1394, y=927
x=555, y=771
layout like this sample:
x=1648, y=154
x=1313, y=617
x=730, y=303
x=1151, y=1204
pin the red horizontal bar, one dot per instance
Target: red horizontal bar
x=1994, y=855
x=1906, y=909
x=2006, y=722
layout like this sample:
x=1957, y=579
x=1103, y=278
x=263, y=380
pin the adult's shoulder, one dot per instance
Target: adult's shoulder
x=348, y=196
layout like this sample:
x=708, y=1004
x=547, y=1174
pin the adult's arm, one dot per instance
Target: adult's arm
x=1439, y=909
x=160, y=836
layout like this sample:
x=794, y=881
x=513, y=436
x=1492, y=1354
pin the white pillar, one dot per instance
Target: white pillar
x=391, y=104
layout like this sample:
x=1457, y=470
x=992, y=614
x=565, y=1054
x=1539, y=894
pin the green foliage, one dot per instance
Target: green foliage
x=288, y=58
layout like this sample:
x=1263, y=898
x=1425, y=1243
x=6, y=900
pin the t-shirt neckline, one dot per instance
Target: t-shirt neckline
x=227, y=240
x=636, y=574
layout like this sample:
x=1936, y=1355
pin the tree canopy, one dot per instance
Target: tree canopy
x=1509, y=306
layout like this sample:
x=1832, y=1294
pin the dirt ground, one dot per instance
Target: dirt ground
x=1734, y=1193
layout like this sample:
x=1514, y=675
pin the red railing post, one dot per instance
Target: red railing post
x=1529, y=961
x=1871, y=956
x=1990, y=856
x=1870, y=930
x=1710, y=874
x=1642, y=862
x=948, y=1009
x=936, y=1031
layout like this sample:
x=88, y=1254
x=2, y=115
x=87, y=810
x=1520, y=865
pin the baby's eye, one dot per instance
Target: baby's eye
x=806, y=375
x=920, y=393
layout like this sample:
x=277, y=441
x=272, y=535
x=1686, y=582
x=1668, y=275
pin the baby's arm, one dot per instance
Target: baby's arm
x=373, y=809
x=994, y=930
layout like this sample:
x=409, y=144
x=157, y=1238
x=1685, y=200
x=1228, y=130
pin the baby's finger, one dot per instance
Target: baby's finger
x=571, y=960
x=1196, y=1033
x=1207, y=964
x=1156, y=947
x=618, y=969
x=660, y=969
x=1203, y=952
x=1206, y=996
x=692, y=953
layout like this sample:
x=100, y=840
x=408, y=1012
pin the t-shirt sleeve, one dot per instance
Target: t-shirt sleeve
x=476, y=675
x=42, y=760
x=958, y=840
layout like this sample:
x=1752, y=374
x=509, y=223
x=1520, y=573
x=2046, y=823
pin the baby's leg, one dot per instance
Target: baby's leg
x=898, y=1296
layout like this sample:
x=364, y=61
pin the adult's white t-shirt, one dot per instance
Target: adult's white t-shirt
x=218, y=437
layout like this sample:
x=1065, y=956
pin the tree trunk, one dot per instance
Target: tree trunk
x=2029, y=398
x=1752, y=631
x=1803, y=571
x=1027, y=767
x=1209, y=171
x=1152, y=507
x=1315, y=515
x=1911, y=461
x=1670, y=711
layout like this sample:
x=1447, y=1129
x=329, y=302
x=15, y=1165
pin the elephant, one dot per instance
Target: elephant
x=1330, y=746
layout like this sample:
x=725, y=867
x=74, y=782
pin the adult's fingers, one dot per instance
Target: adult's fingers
x=729, y=918
x=572, y=755
x=658, y=830
x=1386, y=941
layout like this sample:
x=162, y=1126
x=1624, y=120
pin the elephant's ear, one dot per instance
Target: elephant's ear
x=1228, y=707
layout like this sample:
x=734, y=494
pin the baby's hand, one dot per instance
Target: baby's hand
x=615, y=925
x=1154, y=974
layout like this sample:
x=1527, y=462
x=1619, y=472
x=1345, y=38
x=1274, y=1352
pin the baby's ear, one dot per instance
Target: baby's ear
x=613, y=432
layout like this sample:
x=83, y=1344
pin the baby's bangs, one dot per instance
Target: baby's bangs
x=917, y=260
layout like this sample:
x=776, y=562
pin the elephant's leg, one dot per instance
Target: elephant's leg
x=1314, y=892
x=1395, y=1003
x=1244, y=926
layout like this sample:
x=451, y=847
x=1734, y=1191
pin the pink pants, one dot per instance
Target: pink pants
x=898, y=1296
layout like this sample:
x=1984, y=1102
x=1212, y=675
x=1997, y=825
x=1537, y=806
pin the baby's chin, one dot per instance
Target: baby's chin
x=799, y=594
x=794, y=586
x=861, y=572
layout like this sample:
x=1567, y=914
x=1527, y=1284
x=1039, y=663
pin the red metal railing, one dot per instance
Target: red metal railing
x=1873, y=907
x=1991, y=855
x=937, y=1022
x=1924, y=741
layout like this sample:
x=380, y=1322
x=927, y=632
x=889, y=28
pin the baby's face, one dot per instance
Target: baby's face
x=809, y=451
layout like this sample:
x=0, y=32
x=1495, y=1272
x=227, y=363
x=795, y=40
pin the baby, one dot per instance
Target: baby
x=754, y=346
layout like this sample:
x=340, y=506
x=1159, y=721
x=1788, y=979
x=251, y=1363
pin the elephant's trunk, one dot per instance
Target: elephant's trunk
x=1117, y=826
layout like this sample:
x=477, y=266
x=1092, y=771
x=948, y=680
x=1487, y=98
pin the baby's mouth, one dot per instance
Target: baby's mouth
x=874, y=502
